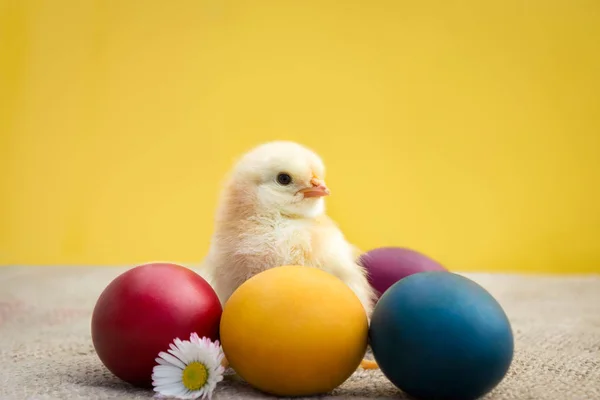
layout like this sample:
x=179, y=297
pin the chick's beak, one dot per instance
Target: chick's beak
x=317, y=189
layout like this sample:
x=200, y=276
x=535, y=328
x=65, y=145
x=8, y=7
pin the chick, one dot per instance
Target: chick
x=272, y=213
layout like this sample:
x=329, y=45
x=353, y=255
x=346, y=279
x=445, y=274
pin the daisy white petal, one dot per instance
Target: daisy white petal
x=172, y=359
x=175, y=346
x=162, y=361
x=172, y=389
x=180, y=355
x=166, y=371
x=194, y=338
x=159, y=382
x=192, y=394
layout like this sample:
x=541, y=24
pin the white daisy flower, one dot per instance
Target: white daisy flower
x=190, y=369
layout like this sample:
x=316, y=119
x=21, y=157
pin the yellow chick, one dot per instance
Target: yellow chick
x=272, y=213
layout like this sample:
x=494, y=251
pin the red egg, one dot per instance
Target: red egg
x=143, y=310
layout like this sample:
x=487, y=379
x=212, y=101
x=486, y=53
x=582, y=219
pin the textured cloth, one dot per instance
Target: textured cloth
x=46, y=350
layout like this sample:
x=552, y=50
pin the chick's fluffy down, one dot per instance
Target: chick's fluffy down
x=272, y=213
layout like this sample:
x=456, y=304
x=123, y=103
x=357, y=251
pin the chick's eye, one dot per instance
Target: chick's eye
x=284, y=179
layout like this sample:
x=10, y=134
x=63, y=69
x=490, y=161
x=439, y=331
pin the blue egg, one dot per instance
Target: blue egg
x=438, y=335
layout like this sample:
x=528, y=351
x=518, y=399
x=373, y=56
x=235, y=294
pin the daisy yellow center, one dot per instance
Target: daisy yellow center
x=195, y=376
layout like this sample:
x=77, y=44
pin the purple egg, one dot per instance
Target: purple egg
x=387, y=265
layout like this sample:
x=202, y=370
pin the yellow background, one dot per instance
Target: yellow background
x=468, y=130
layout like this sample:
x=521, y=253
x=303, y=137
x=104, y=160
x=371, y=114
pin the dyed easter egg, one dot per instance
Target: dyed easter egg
x=143, y=310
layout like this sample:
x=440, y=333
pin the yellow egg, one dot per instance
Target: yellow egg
x=294, y=331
